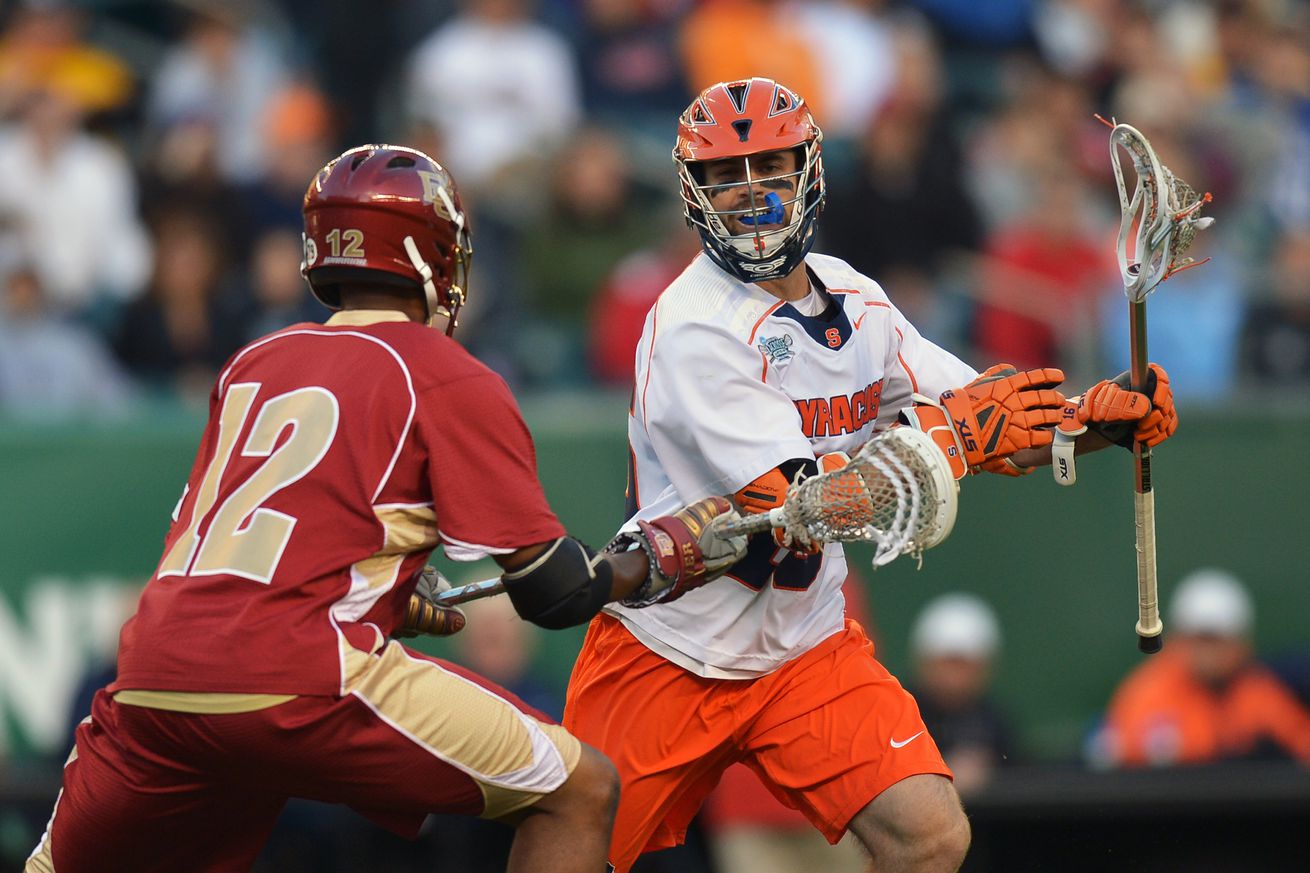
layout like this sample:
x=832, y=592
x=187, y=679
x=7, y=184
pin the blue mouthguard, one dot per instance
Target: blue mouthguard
x=774, y=215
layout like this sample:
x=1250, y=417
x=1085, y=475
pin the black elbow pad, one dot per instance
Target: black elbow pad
x=565, y=585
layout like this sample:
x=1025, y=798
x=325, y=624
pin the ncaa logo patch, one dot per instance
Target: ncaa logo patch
x=311, y=250
x=776, y=348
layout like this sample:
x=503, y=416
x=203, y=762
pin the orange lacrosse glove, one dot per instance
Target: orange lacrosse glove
x=1161, y=422
x=769, y=491
x=1119, y=414
x=1001, y=412
x=1124, y=416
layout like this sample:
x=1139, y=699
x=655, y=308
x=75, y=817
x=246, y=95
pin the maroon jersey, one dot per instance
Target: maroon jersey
x=336, y=458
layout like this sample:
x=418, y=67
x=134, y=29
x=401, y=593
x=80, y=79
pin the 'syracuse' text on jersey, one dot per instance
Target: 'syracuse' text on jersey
x=336, y=458
x=731, y=382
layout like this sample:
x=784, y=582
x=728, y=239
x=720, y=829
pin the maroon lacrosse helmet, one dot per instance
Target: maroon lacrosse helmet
x=385, y=214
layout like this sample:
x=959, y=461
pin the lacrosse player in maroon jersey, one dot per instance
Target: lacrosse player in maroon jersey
x=260, y=664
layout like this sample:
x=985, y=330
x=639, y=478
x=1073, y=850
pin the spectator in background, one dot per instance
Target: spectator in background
x=1074, y=36
x=1283, y=68
x=1044, y=121
x=630, y=68
x=221, y=75
x=42, y=45
x=296, y=131
x=593, y=221
x=906, y=210
x=359, y=58
x=181, y=166
x=723, y=40
x=1277, y=331
x=496, y=94
x=179, y=334
x=855, y=58
x=981, y=40
x=1204, y=698
x=954, y=644
x=618, y=311
x=1042, y=277
x=501, y=93
x=51, y=369
x=276, y=294
x=69, y=202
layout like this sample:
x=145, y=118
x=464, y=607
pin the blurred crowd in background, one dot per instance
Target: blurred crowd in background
x=153, y=158
x=154, y=155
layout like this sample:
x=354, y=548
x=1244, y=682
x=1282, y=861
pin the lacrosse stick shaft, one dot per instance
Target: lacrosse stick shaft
x=1149, y=626
x=751, y=524
x=472, y=591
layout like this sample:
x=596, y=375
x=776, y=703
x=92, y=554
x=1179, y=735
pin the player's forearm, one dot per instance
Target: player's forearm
x=1091, y=441
x=630, y=572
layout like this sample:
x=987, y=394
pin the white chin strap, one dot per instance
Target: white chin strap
x=425, y=273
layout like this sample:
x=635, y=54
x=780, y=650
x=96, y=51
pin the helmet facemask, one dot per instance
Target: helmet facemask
x=448, y=303
x=777, y=243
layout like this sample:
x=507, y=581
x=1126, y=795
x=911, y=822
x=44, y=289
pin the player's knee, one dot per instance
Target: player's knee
x=916, y=825
x=602, y=781
x=952, y=843
x=592, y=790
x=941, y=847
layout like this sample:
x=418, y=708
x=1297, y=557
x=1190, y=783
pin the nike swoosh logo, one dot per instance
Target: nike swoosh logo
x=859, y=320
x=896, y=745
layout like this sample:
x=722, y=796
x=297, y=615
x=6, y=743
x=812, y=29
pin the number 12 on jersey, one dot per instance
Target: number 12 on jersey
x=243, y=538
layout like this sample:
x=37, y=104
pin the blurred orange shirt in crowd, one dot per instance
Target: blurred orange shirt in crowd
x=1162, y=715
x=724, y=40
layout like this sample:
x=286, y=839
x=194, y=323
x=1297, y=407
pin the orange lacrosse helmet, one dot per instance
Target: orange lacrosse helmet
x=736, y=120
x=390, y=215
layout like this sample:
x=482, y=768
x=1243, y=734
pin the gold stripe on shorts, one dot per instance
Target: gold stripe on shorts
x=200, y=701
x=515, y=759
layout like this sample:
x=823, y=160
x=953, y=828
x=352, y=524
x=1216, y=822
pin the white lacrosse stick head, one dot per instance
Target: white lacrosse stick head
x=934, y=493
x=896, y=493
x=1161, y=217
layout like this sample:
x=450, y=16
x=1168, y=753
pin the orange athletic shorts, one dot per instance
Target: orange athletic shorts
x=826, y=733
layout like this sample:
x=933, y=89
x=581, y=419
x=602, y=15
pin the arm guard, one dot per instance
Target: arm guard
x=565, y=585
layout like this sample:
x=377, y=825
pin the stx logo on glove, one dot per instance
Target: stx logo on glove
x=966, y=435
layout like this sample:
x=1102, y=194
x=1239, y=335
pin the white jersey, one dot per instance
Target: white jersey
x=731, y=382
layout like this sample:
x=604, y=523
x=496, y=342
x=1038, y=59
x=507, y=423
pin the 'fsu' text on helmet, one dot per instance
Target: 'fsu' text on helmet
x=737, y=120
x=385, y=214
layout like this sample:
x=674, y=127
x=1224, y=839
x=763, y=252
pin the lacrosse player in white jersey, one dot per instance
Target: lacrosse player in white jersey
x=760, y=364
